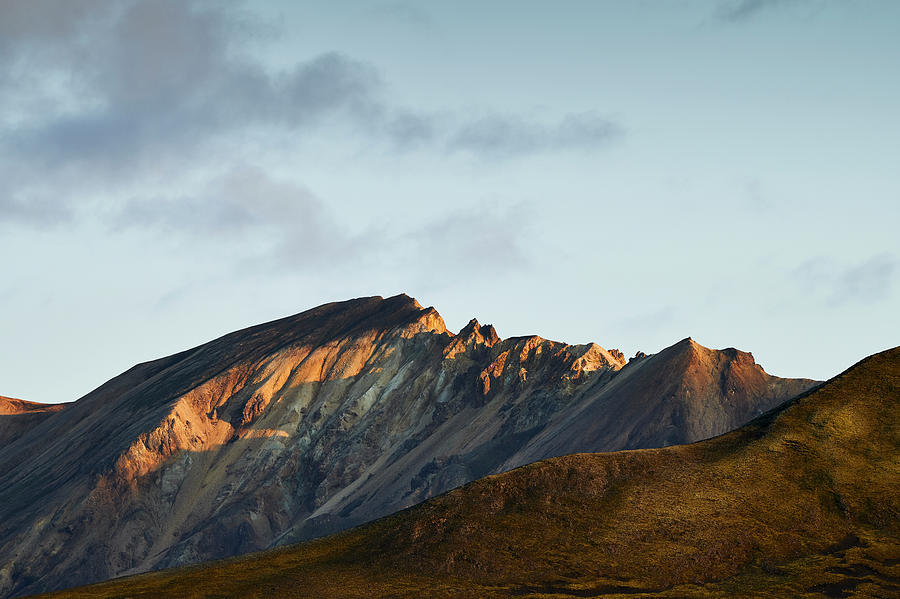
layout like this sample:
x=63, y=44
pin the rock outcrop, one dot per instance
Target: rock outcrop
x=324, y=420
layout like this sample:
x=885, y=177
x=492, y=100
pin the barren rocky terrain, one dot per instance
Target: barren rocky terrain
x=801, y=502
x=321, y=421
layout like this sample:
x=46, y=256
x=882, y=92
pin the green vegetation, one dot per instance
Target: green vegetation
x=801, y=502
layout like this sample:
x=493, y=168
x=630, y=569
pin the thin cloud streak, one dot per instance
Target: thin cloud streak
x=403, y=12
x=499, y=135
x=867, y=282
x=836, y=285
x=736, y=11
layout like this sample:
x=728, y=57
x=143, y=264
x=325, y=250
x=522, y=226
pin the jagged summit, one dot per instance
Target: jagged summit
x=487, y=332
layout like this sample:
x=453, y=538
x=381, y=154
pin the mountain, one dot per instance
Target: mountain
x=801, y=502
x=321, y=421
x=17, y=416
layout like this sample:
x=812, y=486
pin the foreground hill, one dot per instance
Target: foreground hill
x=17, y=416
x=321, y=421
x=801, y=502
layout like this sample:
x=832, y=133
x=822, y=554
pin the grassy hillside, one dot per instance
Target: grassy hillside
x=802, y=502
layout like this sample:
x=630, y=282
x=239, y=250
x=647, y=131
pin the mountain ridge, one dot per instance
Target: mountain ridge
x=708, y=519
x=319, y=421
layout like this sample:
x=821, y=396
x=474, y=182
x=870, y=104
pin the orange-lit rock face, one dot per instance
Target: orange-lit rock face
x=326, y=419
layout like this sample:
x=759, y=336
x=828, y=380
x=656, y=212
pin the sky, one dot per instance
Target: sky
x=628, y=173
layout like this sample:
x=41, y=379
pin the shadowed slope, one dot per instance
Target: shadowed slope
x=684, y=393
x=801, y=502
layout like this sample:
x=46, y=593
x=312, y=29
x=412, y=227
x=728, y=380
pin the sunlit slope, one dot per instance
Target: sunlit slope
x=18, y=416
x=801, y=502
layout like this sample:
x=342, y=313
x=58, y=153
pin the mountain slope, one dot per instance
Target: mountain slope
x=324, y=420
x=682, y=394
x=801, y=502
x=18, y=416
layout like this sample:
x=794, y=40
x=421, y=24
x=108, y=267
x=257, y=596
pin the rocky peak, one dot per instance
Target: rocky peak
x=426, y=321
x=687, y=349
x=485, y=334
x=472, y=336
x=618, y=355
x=595, y=357
x=687, y=343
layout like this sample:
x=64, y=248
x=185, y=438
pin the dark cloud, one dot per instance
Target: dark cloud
x=142, y=88
x=169, y=74
x=44, y=24
x=99, y=97
x=407, y=129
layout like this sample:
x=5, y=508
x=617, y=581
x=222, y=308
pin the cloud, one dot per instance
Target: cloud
x=734, y=11
x=274, y=226
x=755, y=196
x=642, y=323
x=505, y=135
x=166, y=78
x=36, y=210
x=473, y=242
x=270, y=223
x=403, y=12
x=867, y=282
x=834, y=284
x=102, y=100
x=240, y=200
x=140, y=89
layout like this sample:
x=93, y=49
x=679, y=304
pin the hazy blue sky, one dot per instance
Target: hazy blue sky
x=629, y=173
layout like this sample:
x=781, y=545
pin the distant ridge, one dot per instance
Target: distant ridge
x=333, y=417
